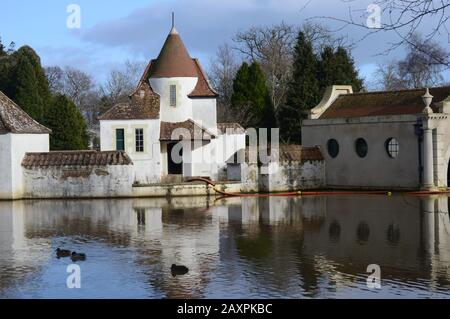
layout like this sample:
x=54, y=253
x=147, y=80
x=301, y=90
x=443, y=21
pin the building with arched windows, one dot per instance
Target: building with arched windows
x=386, y=140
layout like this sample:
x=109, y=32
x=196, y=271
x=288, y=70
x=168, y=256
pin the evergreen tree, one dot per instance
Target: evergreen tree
x=25, y=91
x=251, y=97
x=338, y=67
x=303, y=92
x=26, y=82
x=2, y=48
x=67, y=124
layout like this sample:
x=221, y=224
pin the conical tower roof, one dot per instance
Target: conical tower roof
x=174, y=59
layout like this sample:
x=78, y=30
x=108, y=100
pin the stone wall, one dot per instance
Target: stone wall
x=78, y=181
x=292, y=176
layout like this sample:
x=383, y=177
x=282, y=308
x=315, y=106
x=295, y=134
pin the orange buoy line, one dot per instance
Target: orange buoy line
x=296, y=193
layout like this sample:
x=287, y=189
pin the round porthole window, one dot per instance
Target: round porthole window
x=333, y=147
x=361, y=147
x=392, y=147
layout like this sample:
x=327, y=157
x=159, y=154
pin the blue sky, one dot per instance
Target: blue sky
x=115, y=30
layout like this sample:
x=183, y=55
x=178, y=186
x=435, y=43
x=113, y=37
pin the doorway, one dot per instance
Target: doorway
x=173, y=167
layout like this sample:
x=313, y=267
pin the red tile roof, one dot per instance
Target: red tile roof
x=174, y=59
x=234, y=128
x=137, y=108
x=76, y=158
x=15, y=120
x=383, y=103
x=203, y=87
x=195, y=130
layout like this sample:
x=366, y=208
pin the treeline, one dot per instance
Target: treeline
x=65, y=99
x=269, y=77
x=296, y=64
x=23, y=79
x=284, y=73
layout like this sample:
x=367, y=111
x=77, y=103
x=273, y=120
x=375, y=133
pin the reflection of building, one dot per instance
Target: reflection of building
x=387, y=140
x=265, y=246
x=340, y=236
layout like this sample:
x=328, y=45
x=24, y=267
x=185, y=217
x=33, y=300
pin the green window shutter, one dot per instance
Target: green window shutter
x=120, y=139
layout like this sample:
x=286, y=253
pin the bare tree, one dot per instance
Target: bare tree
x=223, y=68
x=272, y=48
x=122, y=81
x=404, y=18
x=321, y=37
x=55, y=77
x=417, y=69
x=388, y=77
x=78, y=86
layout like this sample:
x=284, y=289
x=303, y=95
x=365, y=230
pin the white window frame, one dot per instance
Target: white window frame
x=172, y=95
x=139, y=140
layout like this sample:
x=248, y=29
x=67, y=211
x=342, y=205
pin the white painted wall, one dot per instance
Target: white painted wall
x=6, y=167
x=204, y=111
x=12, y=151
x=79, y=181
x=292, y=176
x=147, y=164
x=225, y=145
x=183, y=110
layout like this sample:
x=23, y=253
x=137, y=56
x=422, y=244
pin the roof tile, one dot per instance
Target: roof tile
x=76, y=158
x=195, y=130
x=15, y=120
x=383, y=103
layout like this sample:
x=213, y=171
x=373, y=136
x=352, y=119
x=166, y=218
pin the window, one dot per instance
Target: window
x=361, y=147
x=173, y=95
x=392, y=147
x=120, y=139
x=333, y=147
x=139, y=140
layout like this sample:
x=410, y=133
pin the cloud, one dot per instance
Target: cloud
x=206, y=24
x=203, y=24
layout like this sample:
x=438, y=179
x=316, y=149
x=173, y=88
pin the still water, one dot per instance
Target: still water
x=270, y=247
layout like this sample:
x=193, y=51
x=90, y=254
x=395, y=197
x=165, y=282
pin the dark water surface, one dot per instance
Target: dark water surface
x=277, y=247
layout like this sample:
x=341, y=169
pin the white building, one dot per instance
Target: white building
x=19, y=134
x=386, y=140
x=171, y=112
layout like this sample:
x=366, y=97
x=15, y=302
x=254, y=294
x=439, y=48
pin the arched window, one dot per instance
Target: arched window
x=392, y=147
x=333, y=147
x=361, y=147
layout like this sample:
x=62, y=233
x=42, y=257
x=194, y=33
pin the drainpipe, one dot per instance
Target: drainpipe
x=419, y=132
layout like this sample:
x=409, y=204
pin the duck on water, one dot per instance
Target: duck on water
x=178, y=270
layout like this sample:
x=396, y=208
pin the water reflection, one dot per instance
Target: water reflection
x=238, y=247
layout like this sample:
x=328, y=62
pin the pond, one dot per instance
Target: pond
x=250, y=247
